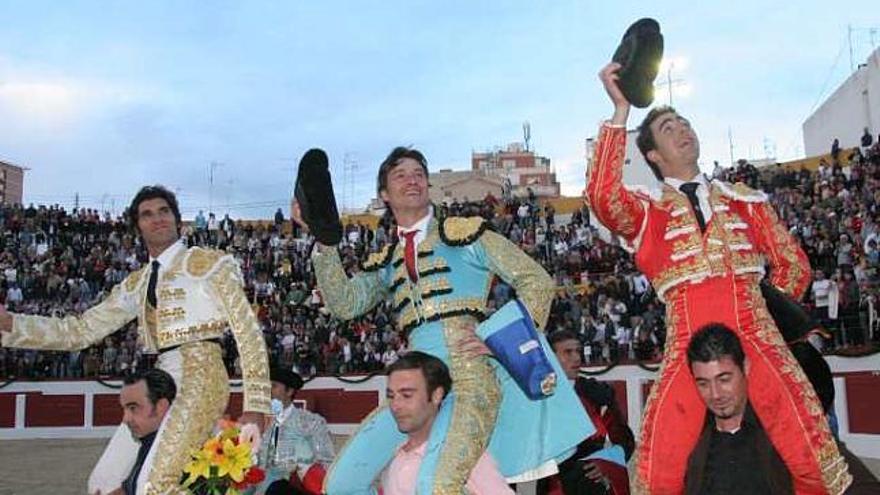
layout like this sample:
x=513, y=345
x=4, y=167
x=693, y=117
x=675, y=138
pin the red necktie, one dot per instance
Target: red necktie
x=409, y=254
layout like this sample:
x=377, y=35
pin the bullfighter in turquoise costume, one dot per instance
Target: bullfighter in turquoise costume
x=438, y=280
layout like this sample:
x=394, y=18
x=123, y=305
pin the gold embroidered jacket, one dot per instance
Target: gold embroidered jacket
x=661, y=230
x=199, y=296
x=457, y=263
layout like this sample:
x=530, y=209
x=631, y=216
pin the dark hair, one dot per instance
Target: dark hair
x=712, y=342
x=645, y=138
x=152, y=192
x=160, y=385
x=393, y=159
x=561, y=336
x=434, y=370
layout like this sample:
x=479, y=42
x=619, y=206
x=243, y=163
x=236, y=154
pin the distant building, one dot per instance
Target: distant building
x=844, y=115
x=11, y=183
x=523, y=168
x=448, y=186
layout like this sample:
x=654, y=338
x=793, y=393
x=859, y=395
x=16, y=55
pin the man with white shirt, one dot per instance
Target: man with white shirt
x=418, y=383
x=437, y=276
x=297, y=447
x=184, y=300
x=705, y=245
x=821, y=290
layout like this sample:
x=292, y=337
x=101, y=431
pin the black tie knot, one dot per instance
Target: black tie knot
x=689, y=188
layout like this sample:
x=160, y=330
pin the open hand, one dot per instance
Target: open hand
x=296, y=215
x=592, y=471
x=471, y=345
x=610, y=77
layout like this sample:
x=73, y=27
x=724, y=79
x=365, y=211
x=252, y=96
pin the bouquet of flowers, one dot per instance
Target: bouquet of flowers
x=223, y=466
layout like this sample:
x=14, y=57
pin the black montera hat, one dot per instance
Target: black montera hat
x=639, y=54
x=314, y=193
x=286, y=377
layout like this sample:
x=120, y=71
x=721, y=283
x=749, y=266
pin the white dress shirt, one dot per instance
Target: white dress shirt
x=702, y=192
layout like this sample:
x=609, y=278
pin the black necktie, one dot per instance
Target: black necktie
x=690, y=190
x=151, y=287
x=129, y=485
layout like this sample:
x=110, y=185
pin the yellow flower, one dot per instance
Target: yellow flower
x=221, y=457
x=199, y=466
x=236, y=460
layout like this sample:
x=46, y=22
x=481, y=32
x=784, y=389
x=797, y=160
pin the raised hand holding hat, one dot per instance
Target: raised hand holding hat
x=314, y=194
x=639, y=55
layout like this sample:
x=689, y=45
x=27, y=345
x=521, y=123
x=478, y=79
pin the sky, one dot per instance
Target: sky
x=99, y=98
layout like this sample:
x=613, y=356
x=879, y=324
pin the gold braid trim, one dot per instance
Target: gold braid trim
x=200, y=261
x=533, y=285
x=202, y=395
x=131, y=282
x=380, y=259
x=740, y=191
x=461, y=231
x=248, y=336
x=833, y=467
x=477, y=400
x=787, y=271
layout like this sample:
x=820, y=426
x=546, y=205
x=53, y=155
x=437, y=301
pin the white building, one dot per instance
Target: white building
x=845, y=114
x=636, y=171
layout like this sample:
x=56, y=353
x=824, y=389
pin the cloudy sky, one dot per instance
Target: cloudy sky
x=99, y=98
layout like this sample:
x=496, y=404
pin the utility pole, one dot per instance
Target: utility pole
x=213, y=166
x=849, y=31
x=730, y=143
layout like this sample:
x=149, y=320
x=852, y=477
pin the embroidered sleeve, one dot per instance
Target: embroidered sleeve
x=789, y=265
x=227, y=281
x=345, y=297
x=77, y=332
x=620, y=210
x=322, y=443
x=533, y=285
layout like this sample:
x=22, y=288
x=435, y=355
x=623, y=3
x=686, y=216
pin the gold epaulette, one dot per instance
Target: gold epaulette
x=461, y=231
x=741, y=192
x=379, y=259
x=200, y=261
x=134, y=278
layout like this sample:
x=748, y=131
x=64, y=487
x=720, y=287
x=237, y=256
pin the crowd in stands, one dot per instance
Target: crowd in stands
x=57, y=262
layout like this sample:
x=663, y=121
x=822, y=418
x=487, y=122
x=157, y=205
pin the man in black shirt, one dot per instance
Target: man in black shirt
x=733, y=454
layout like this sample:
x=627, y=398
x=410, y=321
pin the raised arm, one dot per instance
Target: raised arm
x=346, y=298
x=621, y=211
x=74, y=332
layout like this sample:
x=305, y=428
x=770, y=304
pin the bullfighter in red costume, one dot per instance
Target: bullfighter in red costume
x=704, y=245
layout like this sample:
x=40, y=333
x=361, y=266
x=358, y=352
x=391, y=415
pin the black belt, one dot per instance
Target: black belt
x=217, y=341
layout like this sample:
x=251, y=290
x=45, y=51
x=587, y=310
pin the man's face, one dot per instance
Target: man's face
x=156, y=223
x=406, y=186
x=141, y=416
x=410, y=404
x=722, y=386
x=569, y=353
x=281, y=392
x=676, y=145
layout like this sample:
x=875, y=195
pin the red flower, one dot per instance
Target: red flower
x=252, y=477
